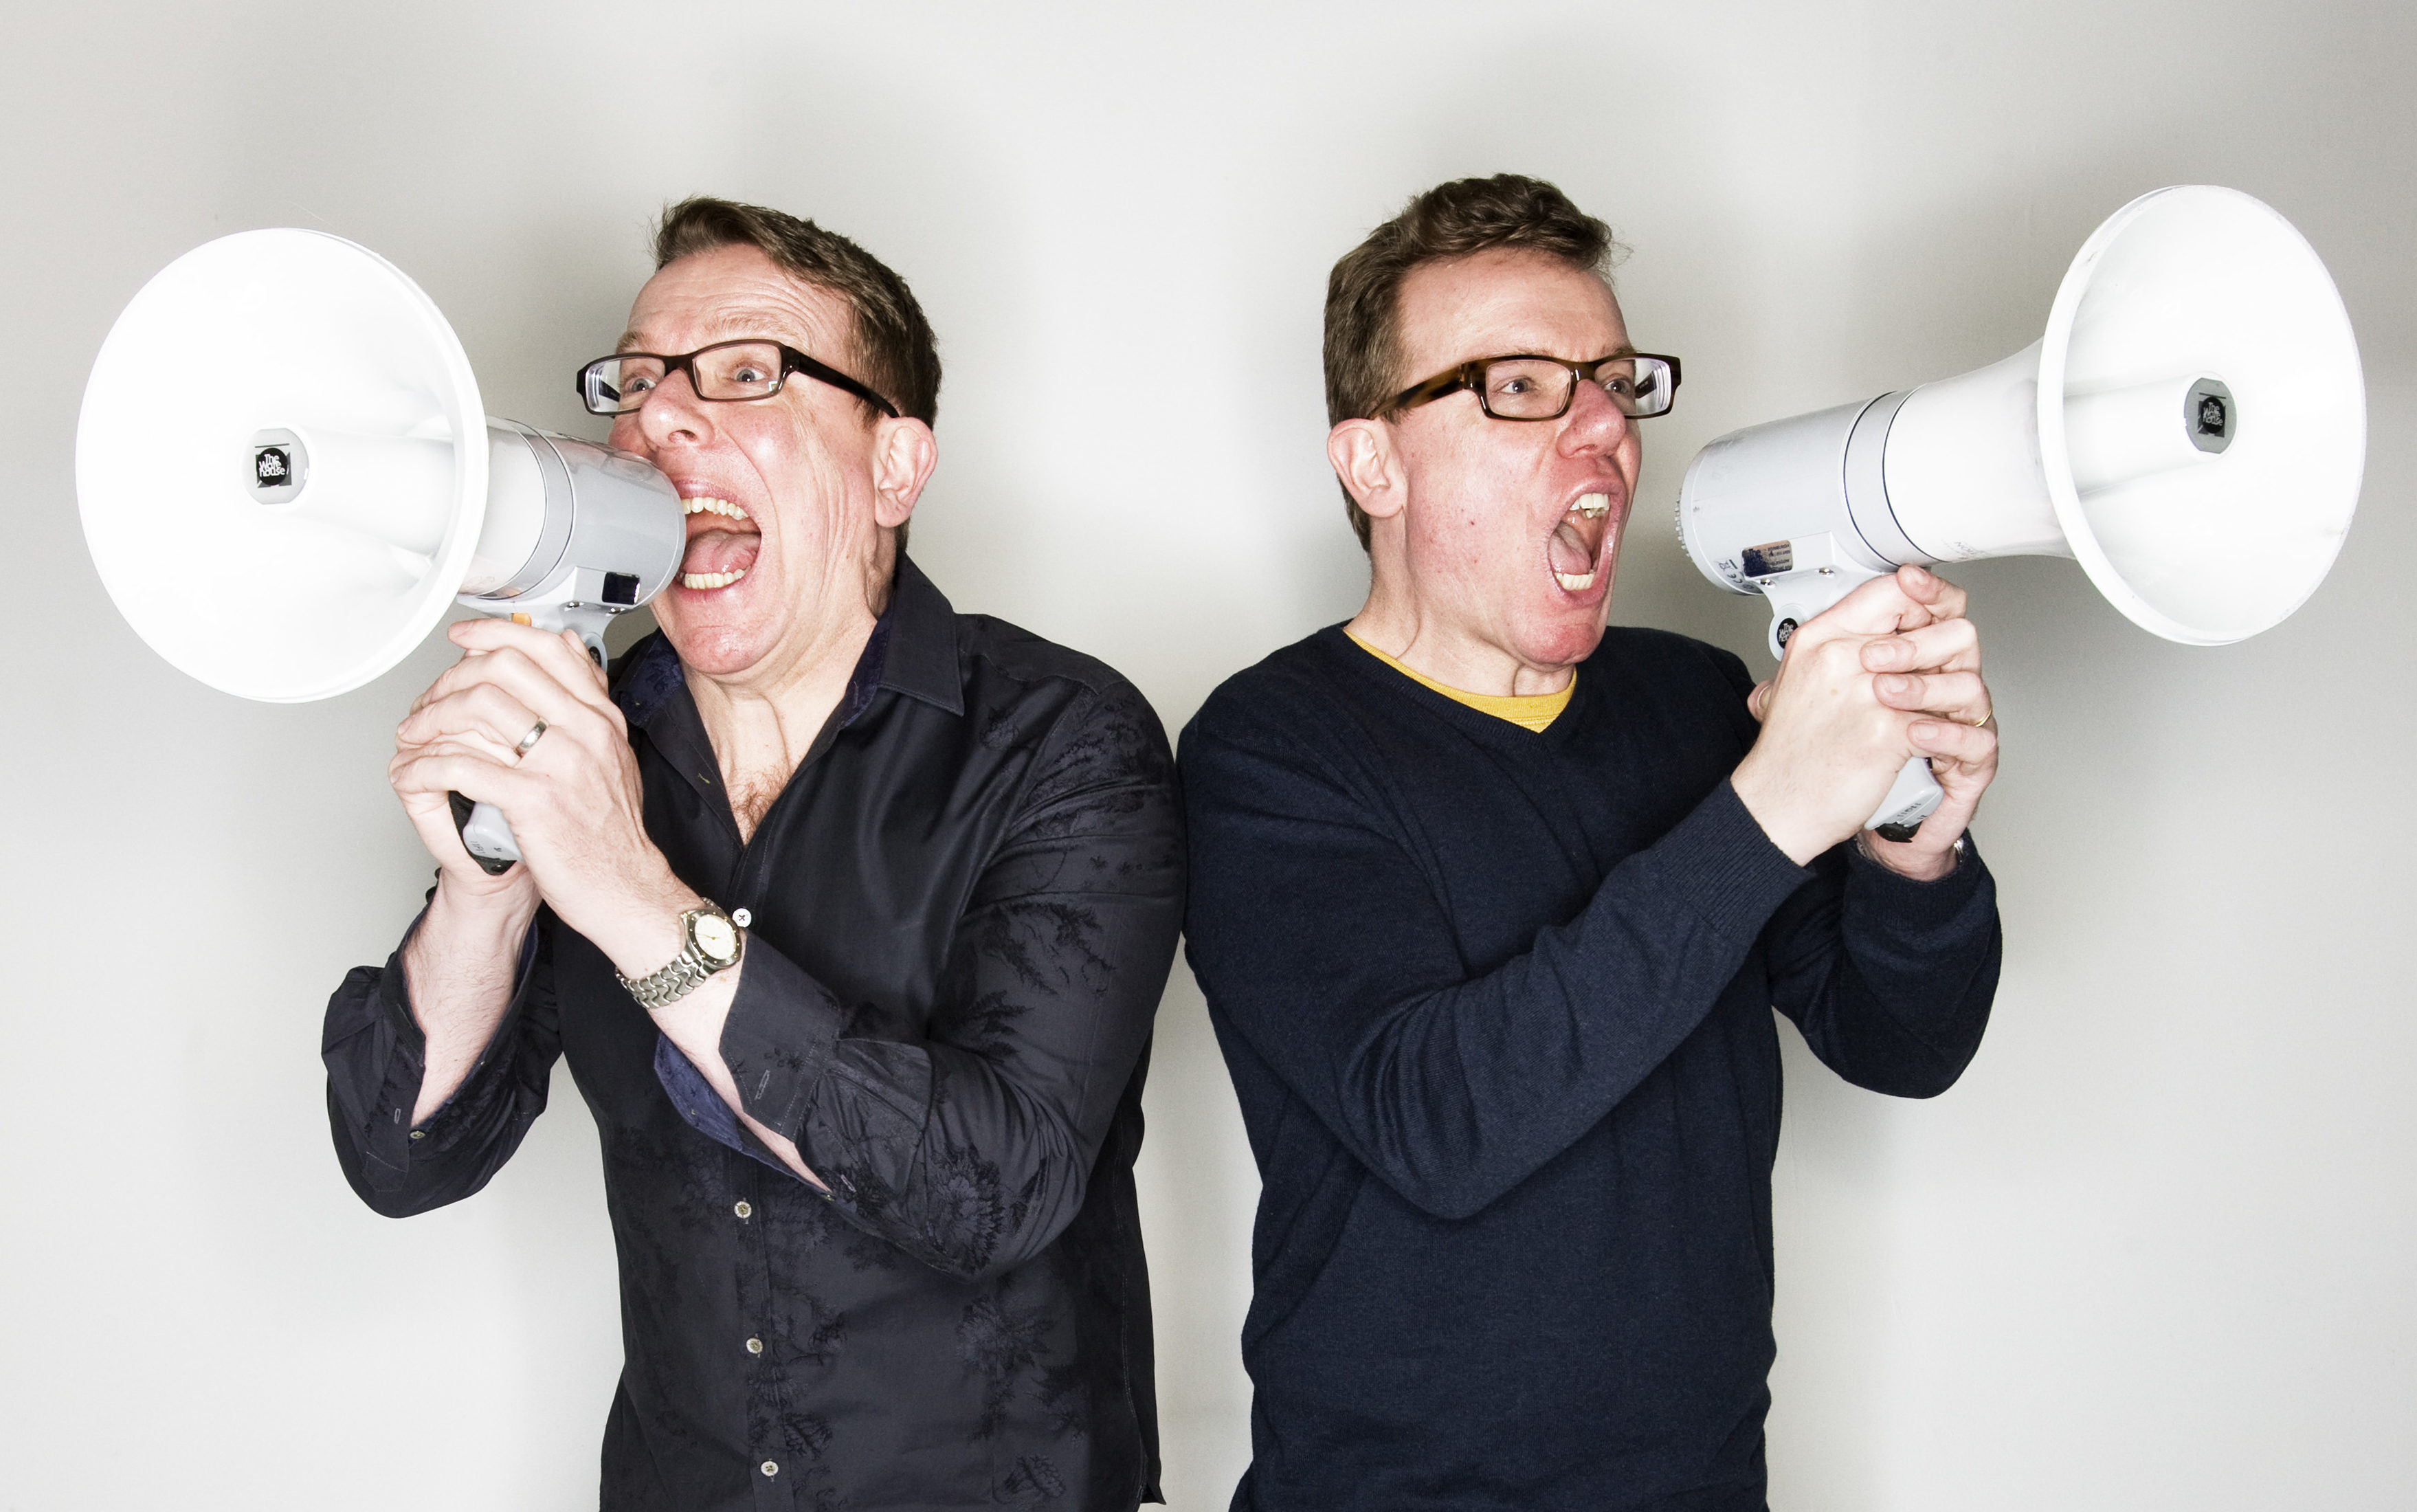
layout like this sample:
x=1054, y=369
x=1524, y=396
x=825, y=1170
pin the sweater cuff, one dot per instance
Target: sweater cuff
x=1913, y=906
x=1724, y=867
x=777, y=1038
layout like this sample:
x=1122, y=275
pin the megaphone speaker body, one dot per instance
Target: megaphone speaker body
x=287, y=479
x=2191, y=428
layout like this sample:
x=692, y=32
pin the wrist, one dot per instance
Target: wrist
x=485, y=912
x=645, y=930
x=1908, y=859
x=1766, y=802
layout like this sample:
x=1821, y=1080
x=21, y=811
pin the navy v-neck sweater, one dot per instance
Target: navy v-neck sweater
x=1498, y=1007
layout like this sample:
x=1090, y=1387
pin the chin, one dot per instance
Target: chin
x=1564, y=645
x=717, y=645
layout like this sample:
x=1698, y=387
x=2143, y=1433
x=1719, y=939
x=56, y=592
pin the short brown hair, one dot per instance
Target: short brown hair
x=1468, y=216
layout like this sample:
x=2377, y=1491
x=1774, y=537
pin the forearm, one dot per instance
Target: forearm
x=458, y=969
x=1891, y=978
x=1455, y=1087
x=375, y=1056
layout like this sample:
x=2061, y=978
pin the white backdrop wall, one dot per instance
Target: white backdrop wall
x=2152, y=1252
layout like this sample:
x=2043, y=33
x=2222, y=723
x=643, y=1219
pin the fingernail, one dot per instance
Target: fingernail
x=1895, y=682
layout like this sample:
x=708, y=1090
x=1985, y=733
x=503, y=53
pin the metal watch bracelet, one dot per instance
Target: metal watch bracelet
x=688, y=971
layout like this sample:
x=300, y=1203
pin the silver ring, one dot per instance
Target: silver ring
x=537, y=732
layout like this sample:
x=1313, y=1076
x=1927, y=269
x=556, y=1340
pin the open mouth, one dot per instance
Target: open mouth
x=1574, y=551
x=721, y=544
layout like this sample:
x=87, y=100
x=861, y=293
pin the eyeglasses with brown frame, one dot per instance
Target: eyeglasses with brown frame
x=725, y=373
x=1526, y=386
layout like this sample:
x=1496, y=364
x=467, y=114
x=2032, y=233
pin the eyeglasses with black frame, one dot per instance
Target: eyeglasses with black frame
x=725, y=373
x=1525, y=386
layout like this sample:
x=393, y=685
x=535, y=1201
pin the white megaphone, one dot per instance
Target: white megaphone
x=2192, y=428
x=287, y=479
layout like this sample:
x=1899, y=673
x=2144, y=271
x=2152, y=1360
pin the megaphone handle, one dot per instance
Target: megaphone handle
x=486, y=835
x=1798, y=596
x=1911, y=800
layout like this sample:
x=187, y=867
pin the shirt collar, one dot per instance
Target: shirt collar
x=912, y=650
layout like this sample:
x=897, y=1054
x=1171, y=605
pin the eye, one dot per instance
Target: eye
x=636, y=383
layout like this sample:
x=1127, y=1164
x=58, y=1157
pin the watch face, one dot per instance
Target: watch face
x=715, y=937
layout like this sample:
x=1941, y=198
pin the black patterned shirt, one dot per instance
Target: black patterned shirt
x=962, y=911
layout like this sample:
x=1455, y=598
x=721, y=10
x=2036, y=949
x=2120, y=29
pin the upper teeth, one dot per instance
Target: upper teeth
x=712, y=506
x=1593, y=506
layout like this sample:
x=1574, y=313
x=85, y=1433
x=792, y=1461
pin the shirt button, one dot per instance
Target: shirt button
x=743, y=1208
x=754, y=1345
x=420, y=1133
x=742, y=918
x=769, y=1468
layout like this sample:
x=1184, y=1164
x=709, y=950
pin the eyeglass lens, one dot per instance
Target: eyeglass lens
x=731, y=371
x=1530, y=389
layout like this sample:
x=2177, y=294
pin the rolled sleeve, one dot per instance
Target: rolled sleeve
x=376, y=1061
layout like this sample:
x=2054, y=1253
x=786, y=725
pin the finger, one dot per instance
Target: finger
x=484, y=712
x=1966, y=744
x=455, y=769
x=1961, y=696
x=1759, y=702
x=1879, y=608
x=538, y=688
x=1944, y=600
x=562, y=653
x=1951, y=645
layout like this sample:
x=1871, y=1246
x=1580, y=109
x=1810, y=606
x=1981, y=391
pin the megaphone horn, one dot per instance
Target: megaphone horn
x=2192, y=428
x=287, y=479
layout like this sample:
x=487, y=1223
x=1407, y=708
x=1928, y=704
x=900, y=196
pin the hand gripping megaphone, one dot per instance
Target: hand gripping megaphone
x=2192, y=429
x=287, y=479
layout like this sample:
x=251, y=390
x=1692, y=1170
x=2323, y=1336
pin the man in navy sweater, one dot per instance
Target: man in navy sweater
x=1492, y=907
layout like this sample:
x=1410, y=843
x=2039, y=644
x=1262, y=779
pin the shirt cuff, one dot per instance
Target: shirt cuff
x=777, y=1039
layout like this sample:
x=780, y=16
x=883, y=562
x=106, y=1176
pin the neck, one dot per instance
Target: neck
x=1446, y=648
x=763, y=721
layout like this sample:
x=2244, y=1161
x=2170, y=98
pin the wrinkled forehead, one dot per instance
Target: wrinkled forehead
x=1502, y=301
x=733, y=292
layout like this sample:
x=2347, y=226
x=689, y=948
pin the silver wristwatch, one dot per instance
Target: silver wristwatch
x=711, y=943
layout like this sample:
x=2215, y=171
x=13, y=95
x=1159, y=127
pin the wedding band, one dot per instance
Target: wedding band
x=1981, y=724
x=537, y=732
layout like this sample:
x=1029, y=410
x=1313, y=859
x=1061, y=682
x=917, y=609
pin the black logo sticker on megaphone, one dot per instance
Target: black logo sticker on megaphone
x=2210, y=414
x=280, y=465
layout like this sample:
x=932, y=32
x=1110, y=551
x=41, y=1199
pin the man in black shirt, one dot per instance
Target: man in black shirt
x=850, y=913
x=1492, y=907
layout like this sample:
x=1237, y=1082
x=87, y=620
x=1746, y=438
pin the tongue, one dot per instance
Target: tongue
x=721, y=551
x=1568, y=552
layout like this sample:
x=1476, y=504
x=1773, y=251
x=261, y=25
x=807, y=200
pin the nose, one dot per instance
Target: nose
x=670, y=416
x=1594, y=423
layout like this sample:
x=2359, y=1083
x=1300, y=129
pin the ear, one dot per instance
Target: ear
x=1362, y=455
x=904, y=451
